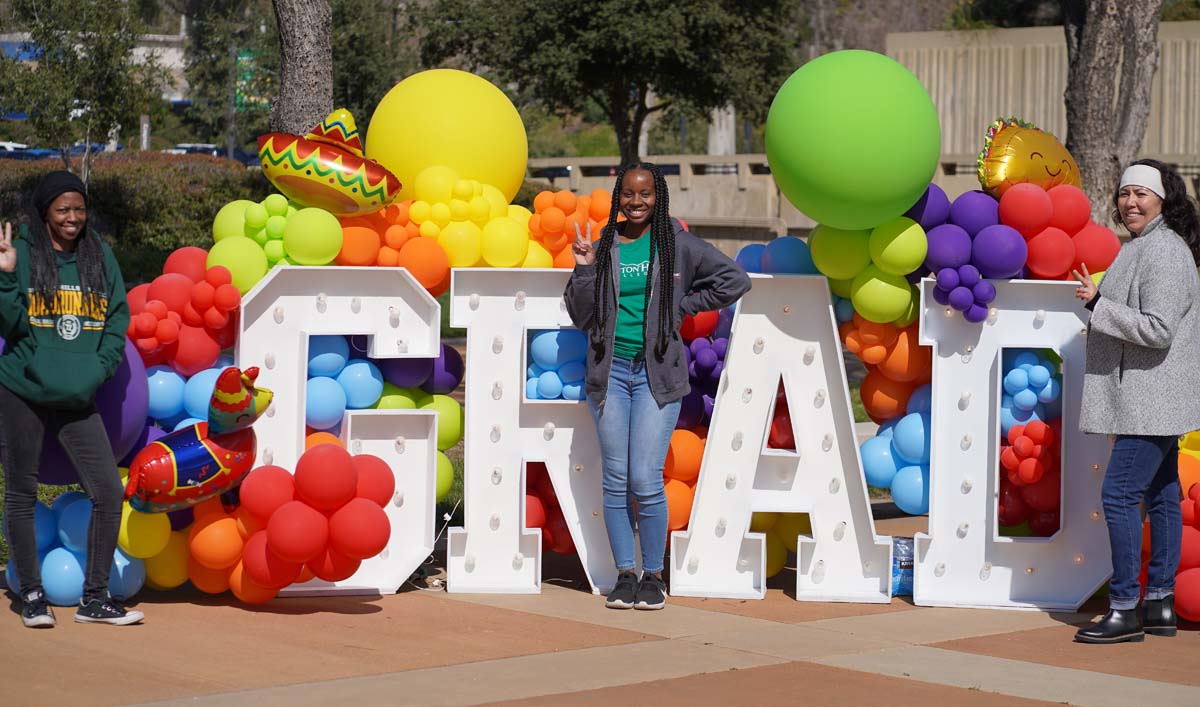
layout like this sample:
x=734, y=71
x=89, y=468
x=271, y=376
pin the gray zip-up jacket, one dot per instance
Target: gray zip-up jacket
x=705, y=280
x=1142, y=375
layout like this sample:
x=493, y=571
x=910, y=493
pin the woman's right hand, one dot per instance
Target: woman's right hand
x=8, y=253
x=582, y=248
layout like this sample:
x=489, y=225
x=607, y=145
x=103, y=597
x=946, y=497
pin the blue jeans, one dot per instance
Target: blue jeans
x=635, y=432
x=1143, y=468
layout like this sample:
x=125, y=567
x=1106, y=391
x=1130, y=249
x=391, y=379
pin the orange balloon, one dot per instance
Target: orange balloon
x=883, y=397
x=426, y=260
x=907, y=361
x=573, y=220
x=679, y=503
x=600, y=205
x=397, y=213
x=556, y=242
x=535, y=225
x=598, y=229
x=211, y=507
x=565, y=200
x=553, y=220
x=360, y=246
x=388, y=257
x=396, y=236
x=683, y=456
x=543, y=201
x=247, y=523
x=565, y=259
x=246, y=589
x=207, y=580
x=442, y=286
x=215, y=542
x=1189, y=472
x=321, y=438
x=583, y=204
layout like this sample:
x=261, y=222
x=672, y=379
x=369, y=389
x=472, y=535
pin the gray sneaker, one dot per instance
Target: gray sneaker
x=103, y=609
x=651, y=593
x=623, y=594
x=36, y=611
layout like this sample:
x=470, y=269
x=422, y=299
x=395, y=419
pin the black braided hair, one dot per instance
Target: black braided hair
x=662, y=251
x=1178, y=210
x=43, y=265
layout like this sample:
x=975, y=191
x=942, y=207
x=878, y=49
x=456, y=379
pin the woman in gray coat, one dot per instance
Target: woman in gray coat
x=1142, y=386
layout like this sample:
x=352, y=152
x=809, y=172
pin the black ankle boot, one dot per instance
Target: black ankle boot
x=1117, y=626
x=1158, y=616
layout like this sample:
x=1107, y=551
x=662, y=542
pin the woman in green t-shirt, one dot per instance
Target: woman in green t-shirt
x=629, y=293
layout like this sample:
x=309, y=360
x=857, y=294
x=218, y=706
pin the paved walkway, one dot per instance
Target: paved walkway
x=563, y=647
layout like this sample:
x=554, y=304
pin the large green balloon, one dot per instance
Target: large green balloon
x=243, y=257
x=230, y=220
x=312, y=237
x=838, y=253
x=852, y=139
x=445, y=477
x=450, y=419
x=879, y=296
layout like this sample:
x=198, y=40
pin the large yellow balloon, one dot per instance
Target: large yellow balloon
x=169, y=568
x=143, y=534
x=463, y=243
x=452, y=118
x=435, y=184
x=537, y=256
x=505, y=243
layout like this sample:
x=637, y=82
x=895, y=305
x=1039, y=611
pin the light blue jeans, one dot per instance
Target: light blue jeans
x=635, y=432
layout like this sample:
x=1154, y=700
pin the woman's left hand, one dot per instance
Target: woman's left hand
x=1087, y=288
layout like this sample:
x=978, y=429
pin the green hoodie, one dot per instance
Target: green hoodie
x=58, y=354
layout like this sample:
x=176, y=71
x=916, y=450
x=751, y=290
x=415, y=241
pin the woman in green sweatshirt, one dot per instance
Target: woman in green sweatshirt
x=63, y=317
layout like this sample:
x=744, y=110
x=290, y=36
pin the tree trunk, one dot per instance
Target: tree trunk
x=1112, y=54
x=628, y=111
x=306, y=66
x=231, y=132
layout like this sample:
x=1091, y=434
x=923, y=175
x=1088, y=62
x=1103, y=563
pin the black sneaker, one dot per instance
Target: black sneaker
x=623, y=594
x=36, y=611
x=103, y=609
x=651, y=593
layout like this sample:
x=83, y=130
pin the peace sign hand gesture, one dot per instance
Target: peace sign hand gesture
x=582, y=247
x=1087, y=288
x=8, y=253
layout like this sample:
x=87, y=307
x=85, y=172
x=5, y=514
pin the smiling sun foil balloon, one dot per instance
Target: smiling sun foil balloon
x=1015, y=151
x=327, y=169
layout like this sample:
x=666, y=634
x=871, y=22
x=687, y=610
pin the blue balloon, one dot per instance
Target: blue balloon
x=1015, y=381
x=534, y=371
x=166, y=392
x=788, y=255
x=197, y=392
x=63, y=501
x=571, y=372
x=46, y=527
x=724, y=323
x=910, y=490
x=324, y=403
x=1026, y=358
x=1039, y=375
x=170, y=423
x=910, y=439
x=1012, y=416
x=879, y=464
x=186, y=423
x=572, y=391
x=62, y=576
x=363, y=384
x=551, y=349
x=549, y=386
x=327, y=355
x=531, y=389
x=73, y=525
x=1024, y=399
x=750, y=257
x=126, y=576
x=888, y=428
x=843, y=309
x=921, y=400
x=223, y=361
x=1049, y=392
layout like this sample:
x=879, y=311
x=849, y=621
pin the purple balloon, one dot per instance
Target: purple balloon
x=181, y=518
x=932, y=209
x=961, y=298
x=405, y=372
x=968, y=275
x=122, y=402
x=975, y=313
x=999, y=252
x=916, y=275
x=984, y=292
x=941, y=296
x=692, y=371
x=714, y=377
x=687, y=355
x=706, y=361
x=699, y=345
x=2, y=344
x=691, y=410
x=709, y=403
x=947, y=279
x=974, y=211
x=448, y=370
x=724, y=323
x=149, y=435
x=721, y=346
x=949, y=247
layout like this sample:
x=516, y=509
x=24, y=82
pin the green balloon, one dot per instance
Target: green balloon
x=230, y=220
x=1016, y=531
x=879, y=296
x=275, y=227
x=274, y=251
x=256, y=218
x=913, y=311
x=445, y=476
x=898, y=245
x=260, y=236
x=396, y=398
x=839, y=254
x=841, y=288
x=243, y=257
x=312, y=237
x=450, y=419
x=276, y=205
x=852, y=139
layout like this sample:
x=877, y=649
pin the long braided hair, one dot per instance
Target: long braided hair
x=662, y=252
x=43, y=266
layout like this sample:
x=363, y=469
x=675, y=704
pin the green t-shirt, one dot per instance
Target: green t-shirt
x=631, y=303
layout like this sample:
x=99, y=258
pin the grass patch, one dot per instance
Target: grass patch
x=46, y=494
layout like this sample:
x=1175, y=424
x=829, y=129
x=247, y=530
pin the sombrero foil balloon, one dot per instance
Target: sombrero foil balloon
x=1014, y=151
x=327, y=169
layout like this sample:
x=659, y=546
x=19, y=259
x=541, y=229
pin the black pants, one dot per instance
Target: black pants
x=81, y=434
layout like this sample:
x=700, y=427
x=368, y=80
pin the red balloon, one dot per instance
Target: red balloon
x=1096, y=247
x=535, y=472
x=227, y=298
x=297, y=532
x=563, y=544
x=1072, y=210
x=1012, y=508
x=189, y=261
x=359, y=529
x=325, y=477
x=375, y=479
x=202, y=296
x=218, y=275
x=1044, y=523
x=1039, y=432
x=547, y=538
x=698, y=326
x=1026, y=207
x=333, y=566
x=1023, y=446
x=1051, y=254
x=1187, y=594
x=1009, y=459
x=1014, y=433
x=166, y=331
x=265, y=489
x=535, y=512
x=1188, y=507
x=137, y=298
x=1045, y=494
x=264, y=566
x=172, y=289
x=1189, y=552
x=781, y=436
x=1031, y=470
x=196, y=351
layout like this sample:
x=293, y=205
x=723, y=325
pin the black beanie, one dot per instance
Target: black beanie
x=54, y=185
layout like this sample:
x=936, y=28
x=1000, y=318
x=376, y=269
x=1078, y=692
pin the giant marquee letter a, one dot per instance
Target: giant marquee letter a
x=784, y=328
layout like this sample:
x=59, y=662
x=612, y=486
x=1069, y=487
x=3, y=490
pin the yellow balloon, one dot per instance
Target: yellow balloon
x=143, y=534
x=435, y=183
x=459, y=210
x=790, y=526
x=429, y=229
x=505, y=243
x=169, y=568
x=1190, y=442
x=453, y=118
x=776, y=554
x=497, y=201
x=479, y=210
x=440, y=214
x=762, y=522
x=464, y=189
x=1098, y=276
x=537, y=256
x=463, y=243
x=420, y=211
x=520, y=214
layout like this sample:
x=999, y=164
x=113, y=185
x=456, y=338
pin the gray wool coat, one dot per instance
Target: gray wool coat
x=1142, y=375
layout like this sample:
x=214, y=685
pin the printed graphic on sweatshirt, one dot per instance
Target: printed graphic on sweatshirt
x=635, y=269
x=69, y=313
